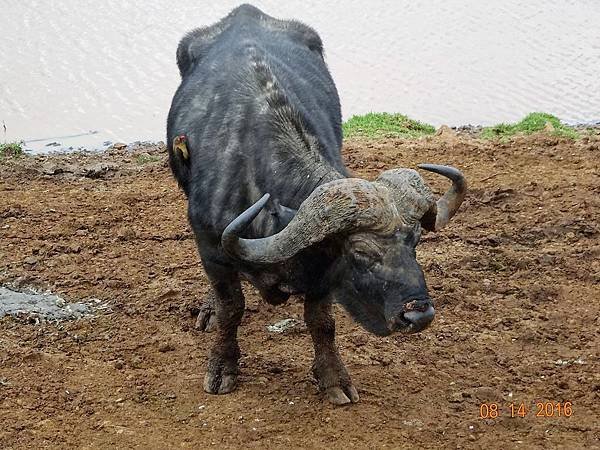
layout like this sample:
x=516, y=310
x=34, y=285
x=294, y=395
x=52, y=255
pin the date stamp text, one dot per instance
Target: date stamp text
x=536, y=409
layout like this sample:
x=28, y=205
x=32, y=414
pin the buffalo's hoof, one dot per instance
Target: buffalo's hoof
x=342, y=396
x=207, y=319
x=222, y=370
x=218, y=382
x=333, y=379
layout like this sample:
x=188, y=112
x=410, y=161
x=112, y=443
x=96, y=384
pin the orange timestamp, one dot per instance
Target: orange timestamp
x=541, y=409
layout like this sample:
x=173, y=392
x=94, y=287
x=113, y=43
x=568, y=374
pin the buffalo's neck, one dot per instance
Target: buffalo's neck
x=308, y=177
x=298, y=167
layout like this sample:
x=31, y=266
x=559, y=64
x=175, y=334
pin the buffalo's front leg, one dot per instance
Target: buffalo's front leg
x=328, y=368
x=222, y=368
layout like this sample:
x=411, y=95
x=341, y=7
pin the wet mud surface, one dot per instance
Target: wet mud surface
x=515, y=278
x=34, y=306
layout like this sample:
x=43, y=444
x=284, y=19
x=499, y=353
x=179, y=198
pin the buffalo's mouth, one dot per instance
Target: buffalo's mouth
x=415, y=317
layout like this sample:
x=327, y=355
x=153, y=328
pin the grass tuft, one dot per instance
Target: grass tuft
x=145, y=158
x=11, y=149
x=373, y=125
x=534, y=122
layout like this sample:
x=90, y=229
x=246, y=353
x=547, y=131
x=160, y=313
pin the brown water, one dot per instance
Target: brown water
x=81, y=73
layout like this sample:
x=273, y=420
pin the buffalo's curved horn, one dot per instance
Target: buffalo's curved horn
x=444, y=209
x=337, y=207
x=230, y=239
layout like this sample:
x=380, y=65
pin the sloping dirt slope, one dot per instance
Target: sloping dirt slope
x=515, y=278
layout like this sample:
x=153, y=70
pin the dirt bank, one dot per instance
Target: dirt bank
x=515, y=278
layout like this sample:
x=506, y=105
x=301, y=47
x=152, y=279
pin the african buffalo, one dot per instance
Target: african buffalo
x=254, y=136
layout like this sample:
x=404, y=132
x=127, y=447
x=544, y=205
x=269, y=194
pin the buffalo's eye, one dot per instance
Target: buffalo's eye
x=366, y=251
x=362, y=257
x=366, y=256
x=365, y=263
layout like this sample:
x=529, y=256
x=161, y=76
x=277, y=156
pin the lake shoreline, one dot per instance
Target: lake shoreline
x=55, y=147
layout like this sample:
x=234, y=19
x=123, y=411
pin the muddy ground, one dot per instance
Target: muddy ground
x=515, y=278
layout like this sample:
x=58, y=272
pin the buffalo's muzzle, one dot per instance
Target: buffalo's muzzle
x=417, y=315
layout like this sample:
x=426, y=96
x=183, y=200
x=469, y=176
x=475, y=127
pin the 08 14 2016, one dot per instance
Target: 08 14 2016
x=540, y=409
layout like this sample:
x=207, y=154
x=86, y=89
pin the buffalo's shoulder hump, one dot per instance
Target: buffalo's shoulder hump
x=196, y=43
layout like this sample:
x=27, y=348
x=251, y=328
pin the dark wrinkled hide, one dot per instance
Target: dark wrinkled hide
x=372, y=283
x=261, y=115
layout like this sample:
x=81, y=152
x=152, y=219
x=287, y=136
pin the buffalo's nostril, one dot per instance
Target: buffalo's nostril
x=419, y=319
x=398, y=323
x=416, y=316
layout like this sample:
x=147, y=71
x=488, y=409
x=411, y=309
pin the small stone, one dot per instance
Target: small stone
x=283, y=325
x=31, y=260
x=166, y=347
x=457, y=397
x=262, y=380
x=446, y=133
x=416, y=423
x=75, y=248
x=98, y=170
x=359, y=340
x=136, y=362
x=51, y=169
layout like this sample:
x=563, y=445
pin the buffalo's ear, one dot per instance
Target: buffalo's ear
x=193, y=46
x=184, y=56
x=283, y=214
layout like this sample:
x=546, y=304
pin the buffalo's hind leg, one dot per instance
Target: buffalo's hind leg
x=207, y=318
x=222, y=368
x=328, y=368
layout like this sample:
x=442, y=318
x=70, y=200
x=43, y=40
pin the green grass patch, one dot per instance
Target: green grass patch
x=532, y=123
x=145, y=159
x=11, y=149
x=374, y=125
